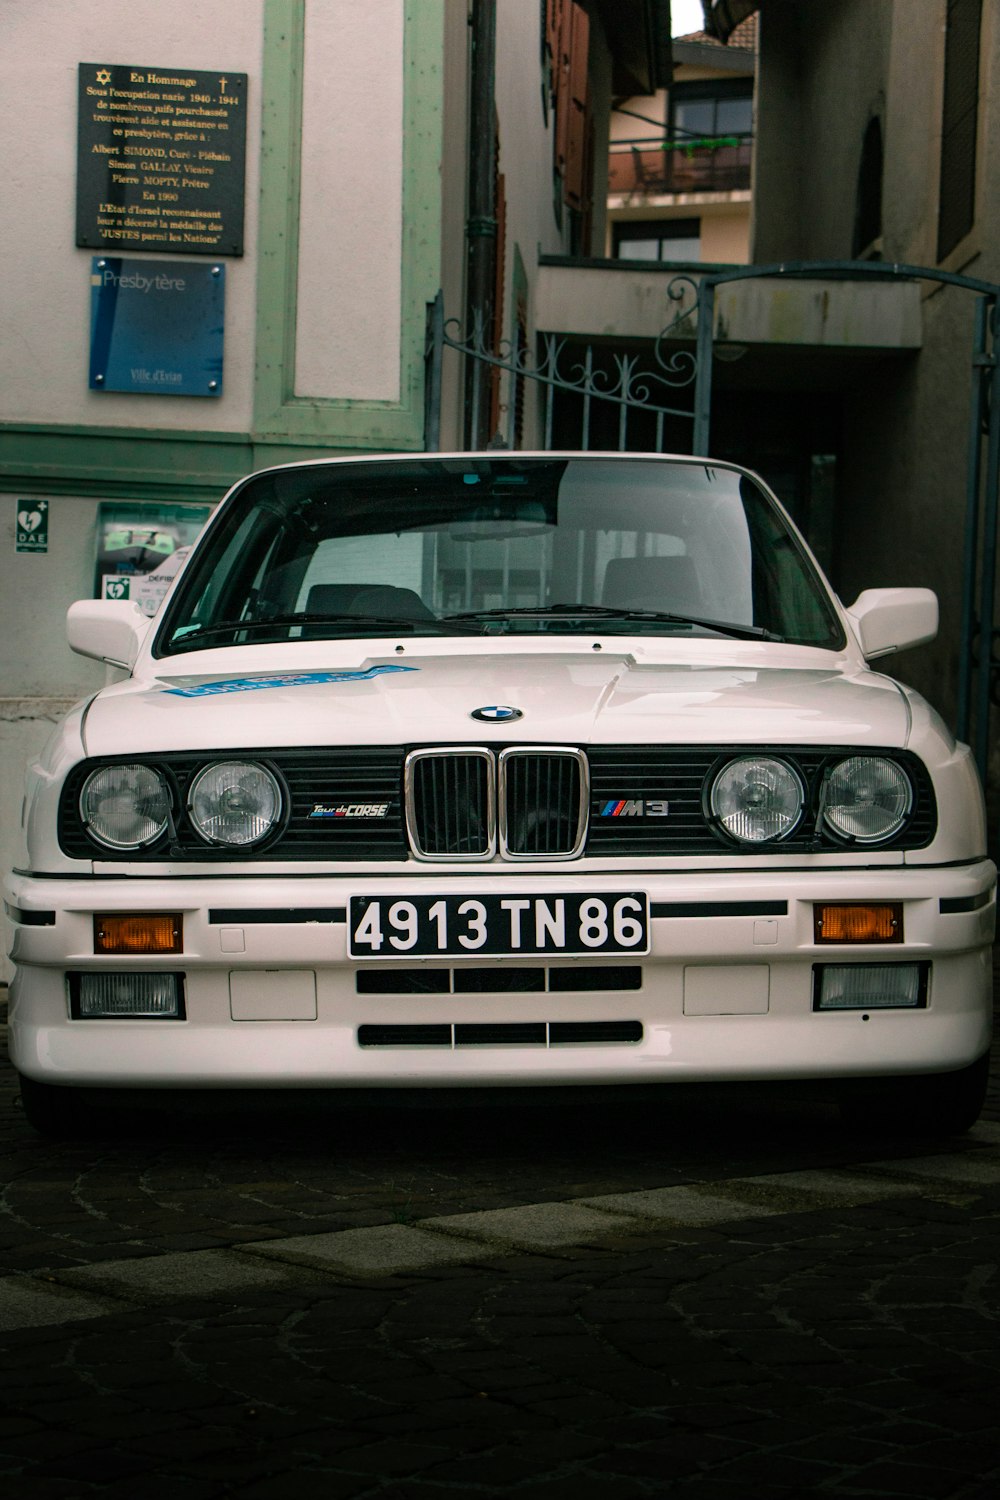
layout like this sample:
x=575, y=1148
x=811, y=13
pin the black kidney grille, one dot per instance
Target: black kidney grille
x=456, y=800
x=450, y=805
x=540, y=804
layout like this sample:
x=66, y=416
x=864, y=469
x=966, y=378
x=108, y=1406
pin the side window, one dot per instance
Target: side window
x=784, y=593
x=225, y=568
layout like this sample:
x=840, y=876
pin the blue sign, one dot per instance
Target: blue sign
x=156, y=326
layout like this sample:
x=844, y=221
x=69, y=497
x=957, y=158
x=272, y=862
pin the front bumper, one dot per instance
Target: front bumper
x=726, y=991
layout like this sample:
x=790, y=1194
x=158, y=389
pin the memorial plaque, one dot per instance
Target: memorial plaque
x=161, y=157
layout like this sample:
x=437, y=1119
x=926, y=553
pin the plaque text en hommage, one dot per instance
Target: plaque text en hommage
x=161, y=160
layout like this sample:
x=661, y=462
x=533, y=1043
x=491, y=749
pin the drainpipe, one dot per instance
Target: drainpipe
x=481, y=224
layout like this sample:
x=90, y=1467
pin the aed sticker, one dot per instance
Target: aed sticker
x=288, y=679
x=32, y=526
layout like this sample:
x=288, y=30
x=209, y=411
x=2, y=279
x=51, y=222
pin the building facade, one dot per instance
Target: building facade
x=679, y=167
x=314, y=172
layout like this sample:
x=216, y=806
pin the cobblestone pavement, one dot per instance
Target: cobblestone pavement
x=721, y=1295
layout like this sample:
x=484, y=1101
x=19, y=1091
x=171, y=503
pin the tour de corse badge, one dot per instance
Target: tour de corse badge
x=32, y=532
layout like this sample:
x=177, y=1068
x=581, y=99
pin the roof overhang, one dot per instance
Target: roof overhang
x=638, y=37
x=711, y=55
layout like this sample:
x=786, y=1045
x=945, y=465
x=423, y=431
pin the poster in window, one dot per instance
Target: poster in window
x=140, y=549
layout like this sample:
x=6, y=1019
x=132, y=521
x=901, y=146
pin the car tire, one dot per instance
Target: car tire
x=54, y=1109
x=931, y=1104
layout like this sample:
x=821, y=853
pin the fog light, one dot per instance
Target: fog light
x=859, y=922
x=125, y=996
x=124, y=932
x=870, y=986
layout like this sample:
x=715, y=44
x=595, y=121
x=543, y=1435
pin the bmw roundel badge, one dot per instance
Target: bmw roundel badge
x=496, y=713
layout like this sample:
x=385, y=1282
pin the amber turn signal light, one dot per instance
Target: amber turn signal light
x=859, y=922
x=125, y=932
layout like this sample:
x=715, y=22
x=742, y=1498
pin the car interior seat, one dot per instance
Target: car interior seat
x=664, y=583
x=382, y=599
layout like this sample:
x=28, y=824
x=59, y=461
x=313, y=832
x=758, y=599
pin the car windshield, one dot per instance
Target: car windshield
x=498, y=545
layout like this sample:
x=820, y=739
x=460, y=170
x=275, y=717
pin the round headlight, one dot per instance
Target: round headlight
x=757, y=799
x=234, y=802
x=125, y=807
x=868, y=798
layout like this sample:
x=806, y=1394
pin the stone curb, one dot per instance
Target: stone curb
x=561, y=1229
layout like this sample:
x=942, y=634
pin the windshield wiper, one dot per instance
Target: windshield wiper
x=610, y=612
x=284, y=622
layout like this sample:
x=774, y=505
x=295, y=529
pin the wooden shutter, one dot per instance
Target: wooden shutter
x=576, y=110
x=570, y=73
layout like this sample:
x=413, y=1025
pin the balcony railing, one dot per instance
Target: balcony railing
x=708, y=164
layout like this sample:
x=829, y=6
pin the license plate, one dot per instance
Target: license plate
x=498, y=926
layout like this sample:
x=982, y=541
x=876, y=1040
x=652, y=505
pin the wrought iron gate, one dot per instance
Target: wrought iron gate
x=682, y=361
x=596, y=377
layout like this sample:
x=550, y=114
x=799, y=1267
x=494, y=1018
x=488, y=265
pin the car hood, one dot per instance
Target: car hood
x=576, y=698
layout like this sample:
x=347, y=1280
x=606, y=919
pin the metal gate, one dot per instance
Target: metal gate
x=681, y=364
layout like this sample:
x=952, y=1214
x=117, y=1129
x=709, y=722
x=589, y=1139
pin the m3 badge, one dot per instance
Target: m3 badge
x=635, y=807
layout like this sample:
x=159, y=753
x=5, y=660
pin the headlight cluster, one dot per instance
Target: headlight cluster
x=232, y=804
x=759, y=799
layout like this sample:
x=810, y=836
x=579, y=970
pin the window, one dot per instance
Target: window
x=314, y=547
x=658, y=239
x=957, y=191
x=704, y=111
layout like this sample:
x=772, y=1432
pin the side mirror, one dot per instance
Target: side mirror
x=887, y=620
x=109, y=630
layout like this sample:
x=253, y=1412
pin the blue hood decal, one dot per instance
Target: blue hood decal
x=288, y=679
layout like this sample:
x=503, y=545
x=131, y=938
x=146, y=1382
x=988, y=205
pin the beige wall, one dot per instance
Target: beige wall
x=46, y=291
x=725, y=234
x=350, y=261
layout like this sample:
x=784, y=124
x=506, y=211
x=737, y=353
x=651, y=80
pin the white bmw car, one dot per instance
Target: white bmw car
x=504, y=769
